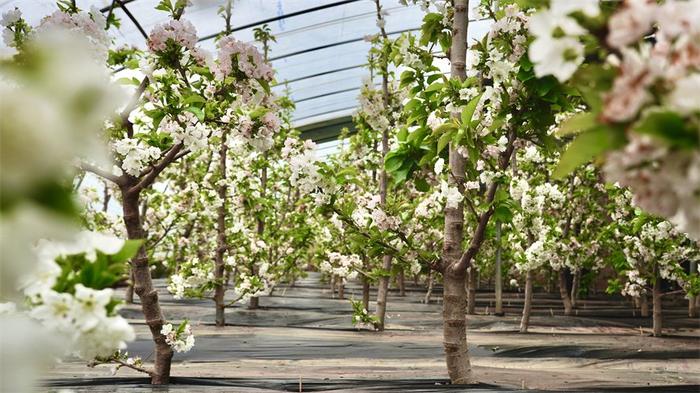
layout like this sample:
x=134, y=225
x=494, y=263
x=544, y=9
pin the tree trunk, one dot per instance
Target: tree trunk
x=341, y=290
x=382, y=291
x=471, y=291
x=254, y=302
x=564, y=292
x=644, y=305
x=383, y=288
x=429, y=292
x=129, y=295
x=498, y=284
x=692, y=309
x=574, y=288
x=219, y=287
x=401, y=281
x=365, y=286
x=656, y=294
x=455, y=330
x=143, y=286
x=454, y=294
x=527, y=306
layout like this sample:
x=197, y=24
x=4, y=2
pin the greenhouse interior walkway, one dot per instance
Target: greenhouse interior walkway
x=301, y=339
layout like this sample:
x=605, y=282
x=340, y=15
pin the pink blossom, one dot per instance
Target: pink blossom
x=629, y=91
x=181, y=32
x=236, y=55
x=630, y=23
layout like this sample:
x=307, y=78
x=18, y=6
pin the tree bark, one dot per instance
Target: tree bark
x=575, y=284
x=692, y=309
x=401, y=281
x=382, y=291
x=644, y=305
x=254, y=302
x=564, y=292
x=429, y=291
x=143, y=286
x=365, y=286
x=383, y=288
x=455, y=330
x=220, y=286
x=454, y=294
x=341, y=290
x=657, y=316
x=527, y=306
x=471, y=291
x=498, y=284
x=129, y=295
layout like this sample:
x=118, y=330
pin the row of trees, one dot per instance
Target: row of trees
x=445, y=177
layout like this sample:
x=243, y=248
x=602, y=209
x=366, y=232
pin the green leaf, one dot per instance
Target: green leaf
x=577, y=123
x=468, y=111
x=435, y=87
x=669, y=127
x=417, y=136
x=132, y=64
x=445, y=128
x=402, y=134
x=197, y=112
x=128, y=81
x=444, y=141
x=194, y=98
x=503, y=214
x=128, y=251
x=265, y=85
x=422, y=185
x=587, y=146
x=393, y=161
x=401, y=174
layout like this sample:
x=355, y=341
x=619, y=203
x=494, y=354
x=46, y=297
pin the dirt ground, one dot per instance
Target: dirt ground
x=301, y=339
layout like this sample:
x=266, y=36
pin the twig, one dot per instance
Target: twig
x=102, y=173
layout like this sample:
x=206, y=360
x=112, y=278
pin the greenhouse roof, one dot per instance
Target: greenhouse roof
x=320, y=50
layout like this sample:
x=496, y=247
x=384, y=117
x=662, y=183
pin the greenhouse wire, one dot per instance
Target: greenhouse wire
x=128, y=13
x=281, y=17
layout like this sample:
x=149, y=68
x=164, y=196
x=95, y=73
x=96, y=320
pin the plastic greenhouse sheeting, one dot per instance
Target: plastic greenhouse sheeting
x=320, y=51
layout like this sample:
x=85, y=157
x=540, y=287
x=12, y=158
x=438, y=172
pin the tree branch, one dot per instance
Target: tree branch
x=150, y=176
x=122, y=363
x=131, y=106
x=118, y=180
x=478, y=238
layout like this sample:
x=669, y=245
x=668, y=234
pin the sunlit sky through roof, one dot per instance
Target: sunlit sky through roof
x=320, y=52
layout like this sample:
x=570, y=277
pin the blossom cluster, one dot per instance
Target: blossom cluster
x=192, y=276
x=188, y=130
x=91, y=25
x=656, y=242
x=136, y=156
x=340, y=265
x=556, y=49
x=369, y=212
x=181, y=32
x=304, y=166
x=236, y=56
x=180, y=339
x=86, y=317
